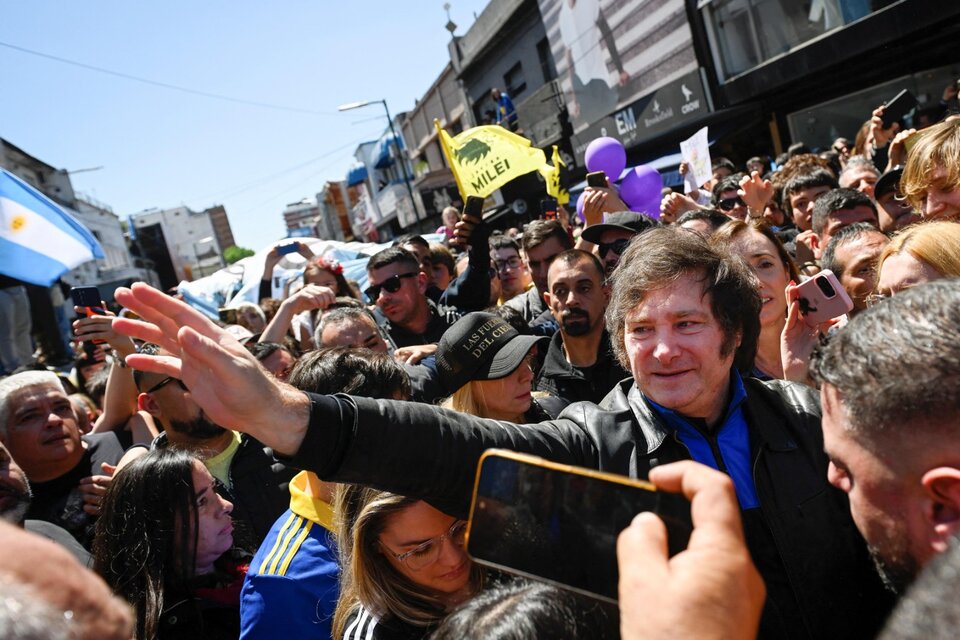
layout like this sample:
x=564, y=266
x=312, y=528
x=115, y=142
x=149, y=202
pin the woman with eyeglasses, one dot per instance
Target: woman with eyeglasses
x=164, y=543
x=404, y=567
x=488, y=367
x=920, y=253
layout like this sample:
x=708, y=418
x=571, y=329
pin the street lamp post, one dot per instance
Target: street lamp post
x=393, y=132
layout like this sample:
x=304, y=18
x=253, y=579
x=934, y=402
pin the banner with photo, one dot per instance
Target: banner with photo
x=611, y=53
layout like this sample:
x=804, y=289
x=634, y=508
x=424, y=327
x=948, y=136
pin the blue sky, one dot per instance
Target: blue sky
x=164, y=148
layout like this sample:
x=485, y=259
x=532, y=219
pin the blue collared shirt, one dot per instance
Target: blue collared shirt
x=727, y=448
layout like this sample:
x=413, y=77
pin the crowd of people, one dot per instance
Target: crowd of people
x=307, y=469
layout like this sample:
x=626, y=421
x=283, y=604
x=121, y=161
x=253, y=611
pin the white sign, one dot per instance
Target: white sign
x=695, y=151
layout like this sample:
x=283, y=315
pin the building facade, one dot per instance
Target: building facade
x=181, y=242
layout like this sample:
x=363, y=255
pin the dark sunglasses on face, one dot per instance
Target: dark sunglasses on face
x=617, y=246
x=391, y=284
x=729, y=203
x=167, y=381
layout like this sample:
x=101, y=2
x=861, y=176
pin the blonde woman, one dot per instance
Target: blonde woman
x=920, y=253
x=403, y=563
x=489, y=367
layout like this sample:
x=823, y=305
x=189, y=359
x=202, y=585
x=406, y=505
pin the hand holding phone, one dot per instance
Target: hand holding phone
x=712, y=588
x=559, y=523
x=897, y=107
x=597, y=179
x=285, y=249
x=822, y=298
x=548, y=208
x=471, y=219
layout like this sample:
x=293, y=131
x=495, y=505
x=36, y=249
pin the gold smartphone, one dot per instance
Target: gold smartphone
x=559, y=523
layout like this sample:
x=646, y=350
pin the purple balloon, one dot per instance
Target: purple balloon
x=580, y=207
x=641, y=189
x=607, y=155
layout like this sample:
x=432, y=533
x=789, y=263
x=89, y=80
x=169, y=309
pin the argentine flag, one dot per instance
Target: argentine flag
x=39, y=240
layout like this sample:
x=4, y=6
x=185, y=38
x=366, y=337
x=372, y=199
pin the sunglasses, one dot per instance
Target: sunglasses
x=729, y=203
x=391, y=284
x=165, y=382
x=617, y=246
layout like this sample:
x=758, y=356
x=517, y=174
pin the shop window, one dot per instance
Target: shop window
x=515, y=81
x=746, y=33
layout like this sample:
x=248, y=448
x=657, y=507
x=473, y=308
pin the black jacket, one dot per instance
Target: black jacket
x=429, y=453
x=576, y=384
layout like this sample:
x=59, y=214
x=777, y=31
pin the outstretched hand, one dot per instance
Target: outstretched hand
x=224, y=379
x=755, y=192
x=710, y=590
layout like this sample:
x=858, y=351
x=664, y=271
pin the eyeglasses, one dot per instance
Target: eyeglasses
x=726, y=204
x=876, y=298
x=165, y=382
x=425, y=554
x=617, y=246
x=391, y=284
x=511, y=263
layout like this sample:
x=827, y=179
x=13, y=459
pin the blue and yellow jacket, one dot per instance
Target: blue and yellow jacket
x=293, y=581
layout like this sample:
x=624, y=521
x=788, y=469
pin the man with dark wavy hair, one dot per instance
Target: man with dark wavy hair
x=683, y=318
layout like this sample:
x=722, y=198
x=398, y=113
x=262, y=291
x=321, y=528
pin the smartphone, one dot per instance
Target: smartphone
x=548, y=208
x=899, y=106
x=227, y=316
x=597, y=179
x=822, y=297
x=88, y=298
x=559, y=523
x=290, y=247
x=474, y=207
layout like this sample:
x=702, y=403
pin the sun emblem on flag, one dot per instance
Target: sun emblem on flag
x=18, y=223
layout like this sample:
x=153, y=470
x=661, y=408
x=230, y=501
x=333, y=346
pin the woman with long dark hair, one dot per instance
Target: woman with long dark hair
x=163, y=543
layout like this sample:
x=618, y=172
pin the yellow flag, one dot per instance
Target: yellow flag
x=485, y=158
x=551, y=174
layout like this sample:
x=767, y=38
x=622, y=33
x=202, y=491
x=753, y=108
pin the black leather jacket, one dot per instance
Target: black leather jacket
x=430, y=453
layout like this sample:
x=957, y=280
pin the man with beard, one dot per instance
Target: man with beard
x=69, y=473
x=15, y=497
x=891, y=414
x=579, y=364
x=245, y=470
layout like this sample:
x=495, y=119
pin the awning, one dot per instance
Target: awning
x=356, y=175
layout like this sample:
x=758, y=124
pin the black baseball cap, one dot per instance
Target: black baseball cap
x=620, y=221
x=889, y=181
x=480, y=346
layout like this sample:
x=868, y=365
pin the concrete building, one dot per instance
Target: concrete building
x=384, y=208
x=50, y=181
x=335, y=201
x=118, y=267
x=302, y=214
x=221, y=226
x=181, y=242
x=433, y=180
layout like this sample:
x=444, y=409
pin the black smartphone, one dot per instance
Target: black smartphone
x=548, y=208
x=597, y=179
x=227, y=316
x=290, y=247
x=899, y=106
x=87, y=298
x=559, y=523
x=473, y=207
